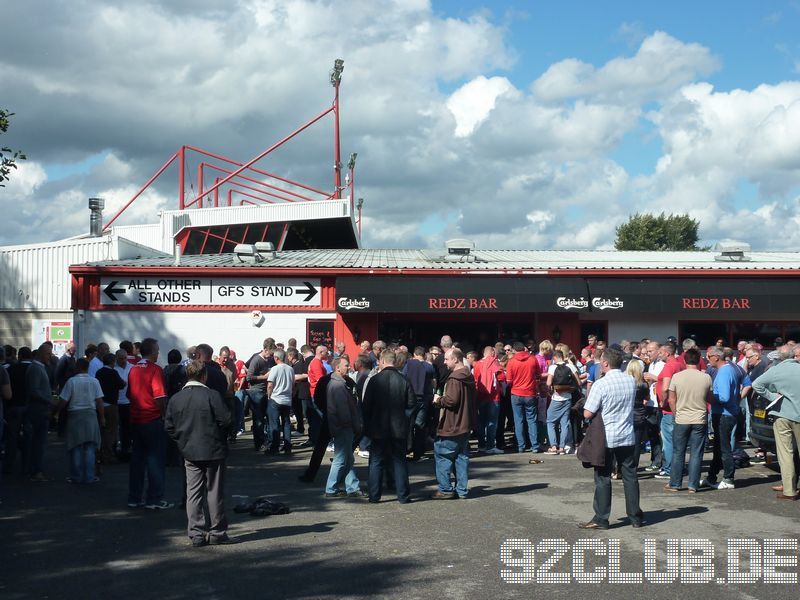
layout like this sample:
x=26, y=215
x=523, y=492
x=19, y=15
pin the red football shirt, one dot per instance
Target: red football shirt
x=145, y=385
x=672, y=366
x=316, y=371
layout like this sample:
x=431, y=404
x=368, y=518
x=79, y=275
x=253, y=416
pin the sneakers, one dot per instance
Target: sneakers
x=161, y=505
x=662, y=475
x=358, y=494
x=339, y=494
x=135, y=504
x=440, y=495
x=495, y=451
x=330, y=447
x=652, y=469
x=363, y=453
x=219, y=540
x=706, y=483
x=725, y=485
x=567, y=449
x=199, y=542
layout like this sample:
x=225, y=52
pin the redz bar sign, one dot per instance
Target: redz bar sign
x=718, y=303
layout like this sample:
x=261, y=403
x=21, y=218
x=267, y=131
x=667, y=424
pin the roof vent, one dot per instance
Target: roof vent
x=247, y=253
x=96, y=206
x=459, y=247
x=266, y=250
x=732, y=252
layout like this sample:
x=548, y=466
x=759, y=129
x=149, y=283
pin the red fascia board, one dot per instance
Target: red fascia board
x=311, y=271
x=211, y=308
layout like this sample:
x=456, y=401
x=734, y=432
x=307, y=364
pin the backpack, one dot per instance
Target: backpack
x=563, y=376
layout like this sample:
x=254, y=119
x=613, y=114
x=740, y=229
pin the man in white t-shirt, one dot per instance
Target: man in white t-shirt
x=280, y=383
x=652, y=412
x=123, y=366
x=562, y=378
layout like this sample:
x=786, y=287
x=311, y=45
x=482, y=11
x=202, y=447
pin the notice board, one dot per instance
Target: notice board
x=319, y=332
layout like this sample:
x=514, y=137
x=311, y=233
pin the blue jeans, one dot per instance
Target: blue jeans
x=35, y=441
x=723, y=450
x=149, y=454
x=559, y=413
x=381, y=453
x=279, y=415
x=667, y=425
x=342, y=473
x=242, y=398
x=81, y=462
x=258, y=406
x=525, y=408
x=693, y=436
x=450, y=452
x=488, y=413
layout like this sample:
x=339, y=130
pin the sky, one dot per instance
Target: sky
x=516, y=124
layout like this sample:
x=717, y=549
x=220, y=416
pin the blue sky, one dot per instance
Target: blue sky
x=545, y=112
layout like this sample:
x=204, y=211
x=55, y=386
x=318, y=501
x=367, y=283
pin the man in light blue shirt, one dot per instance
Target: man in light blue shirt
x=724, y=414
x=614, y=396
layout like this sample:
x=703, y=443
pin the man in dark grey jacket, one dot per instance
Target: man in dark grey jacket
x=199, y=421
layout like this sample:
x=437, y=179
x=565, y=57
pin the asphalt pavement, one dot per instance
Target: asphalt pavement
x=70, y=541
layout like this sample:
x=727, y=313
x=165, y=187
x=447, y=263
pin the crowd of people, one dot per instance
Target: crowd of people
x=392, y=405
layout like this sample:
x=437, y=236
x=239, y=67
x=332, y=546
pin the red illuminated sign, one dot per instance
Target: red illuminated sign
x=463, y=303
x=718, y=303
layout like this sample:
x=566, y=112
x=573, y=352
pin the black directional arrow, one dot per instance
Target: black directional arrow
x=309, y=289
x=110, y=290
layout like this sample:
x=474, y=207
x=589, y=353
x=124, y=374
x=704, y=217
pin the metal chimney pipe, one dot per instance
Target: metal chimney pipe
x=96, y=205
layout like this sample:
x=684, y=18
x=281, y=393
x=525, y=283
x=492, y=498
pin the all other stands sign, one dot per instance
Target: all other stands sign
x=154, y=291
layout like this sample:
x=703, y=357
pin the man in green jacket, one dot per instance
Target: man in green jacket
x=781, y=385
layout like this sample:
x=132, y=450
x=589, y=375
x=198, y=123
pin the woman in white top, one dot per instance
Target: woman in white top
x=562, y=378
x=83, y=397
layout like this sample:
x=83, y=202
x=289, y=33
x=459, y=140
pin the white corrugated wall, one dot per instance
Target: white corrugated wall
x=36, y=277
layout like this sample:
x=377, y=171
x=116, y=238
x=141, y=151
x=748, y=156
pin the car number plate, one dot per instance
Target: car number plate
x=760, y=413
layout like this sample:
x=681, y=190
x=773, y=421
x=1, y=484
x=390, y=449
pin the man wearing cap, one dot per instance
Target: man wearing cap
x=781, y=385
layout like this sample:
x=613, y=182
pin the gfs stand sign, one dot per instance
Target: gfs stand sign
x=353, y=304
x=570, y=303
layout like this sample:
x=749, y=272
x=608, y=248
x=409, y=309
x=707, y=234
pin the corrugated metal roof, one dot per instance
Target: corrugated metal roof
x=36, y=276
x=485, y=260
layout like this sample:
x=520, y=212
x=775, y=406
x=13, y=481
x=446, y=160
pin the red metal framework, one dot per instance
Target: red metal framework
x=243, y=184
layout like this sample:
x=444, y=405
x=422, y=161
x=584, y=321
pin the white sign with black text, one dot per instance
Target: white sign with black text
x=178, y=291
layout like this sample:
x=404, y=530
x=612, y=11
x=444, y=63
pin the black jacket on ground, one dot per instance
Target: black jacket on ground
x=388, y=402
x=199, y=422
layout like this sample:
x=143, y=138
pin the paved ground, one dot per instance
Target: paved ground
x=64, y=541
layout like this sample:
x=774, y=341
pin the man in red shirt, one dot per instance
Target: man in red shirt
x=672, y=365
x=316, y=368
x=522, y=376
x=488, y=376
x=147, y=393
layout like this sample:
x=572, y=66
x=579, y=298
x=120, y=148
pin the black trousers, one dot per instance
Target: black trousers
x=124, y=430
x=602, y=486
x=319, y=449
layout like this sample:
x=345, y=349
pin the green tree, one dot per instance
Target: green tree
x=9, y=157
x=662, y=232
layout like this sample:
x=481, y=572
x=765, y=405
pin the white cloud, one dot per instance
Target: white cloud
x=24, y=180
x=661, y=64
x=473, y=101
x=499, y=163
